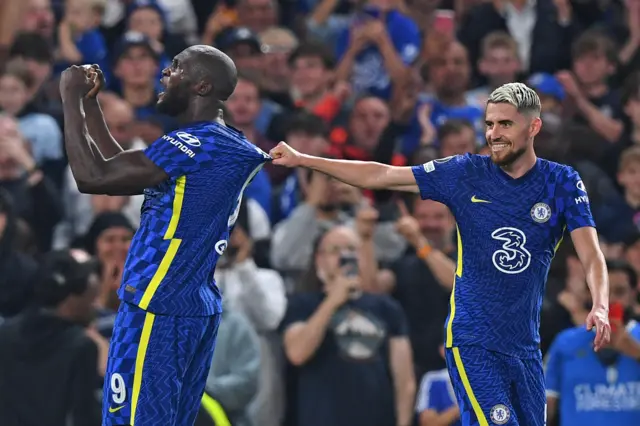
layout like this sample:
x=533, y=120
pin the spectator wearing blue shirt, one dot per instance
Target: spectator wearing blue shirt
x=377, y=49
x=136, y=69
x=449, y=74
x=587, y=388
x=436, y=402
x=79, y=37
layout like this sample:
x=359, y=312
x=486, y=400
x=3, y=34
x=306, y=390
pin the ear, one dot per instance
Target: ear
x=203, y=88
x=535, y=126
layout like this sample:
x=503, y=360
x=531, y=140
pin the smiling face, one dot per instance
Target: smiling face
x=509, y=133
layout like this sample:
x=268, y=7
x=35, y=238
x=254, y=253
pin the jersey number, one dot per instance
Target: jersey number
x=118, y=389
x=221, y=245
x=512, y=257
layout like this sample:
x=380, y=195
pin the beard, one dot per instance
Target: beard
x=174, y=101
x=508, y=157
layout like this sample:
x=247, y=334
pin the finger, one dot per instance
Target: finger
x=590, y=323
x=402, y=208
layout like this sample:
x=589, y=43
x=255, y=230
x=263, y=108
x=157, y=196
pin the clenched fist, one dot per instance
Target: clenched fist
x=284, y=155
x=76, y=81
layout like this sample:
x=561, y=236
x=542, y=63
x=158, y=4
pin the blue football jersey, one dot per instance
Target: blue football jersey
x=186, y=220
x=508, y=232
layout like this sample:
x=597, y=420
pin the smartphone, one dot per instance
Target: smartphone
x=444, y=22
x=616, y=315
x=349, y=263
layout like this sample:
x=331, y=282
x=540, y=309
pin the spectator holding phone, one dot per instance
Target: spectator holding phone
x=590, y=388
x=349, y=351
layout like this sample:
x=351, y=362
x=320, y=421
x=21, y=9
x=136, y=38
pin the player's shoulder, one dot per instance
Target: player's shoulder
x=559, y=170
x=459, y=160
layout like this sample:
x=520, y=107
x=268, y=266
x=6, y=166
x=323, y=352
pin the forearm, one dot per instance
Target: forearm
x=322, y=12
x=98, y=129
x=363, y=174
x=628, y=51
x=301, y=346
x=597, y=280
x=405, y=390
x=607, y=127
x=343, y=72
x=392, y=61
x=83, y=161
x=292, y=241
x=368, y=265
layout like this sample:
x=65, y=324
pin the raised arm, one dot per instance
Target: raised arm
x=127, y=173
x=96, y=124
x=363, y=174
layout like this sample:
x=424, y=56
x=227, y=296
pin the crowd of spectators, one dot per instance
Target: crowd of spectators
x=401, y=82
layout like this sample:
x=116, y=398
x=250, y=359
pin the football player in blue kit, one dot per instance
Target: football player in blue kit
x=512, y=210
x=192, y=180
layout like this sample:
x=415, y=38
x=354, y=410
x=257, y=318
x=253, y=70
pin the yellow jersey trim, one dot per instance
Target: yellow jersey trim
x=452, y=300
x=140, y=357
x=174, y=244
x=482, y=420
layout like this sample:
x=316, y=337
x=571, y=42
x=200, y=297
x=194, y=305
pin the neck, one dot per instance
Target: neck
x=249, y=130
x=202, y=109
x=595, y=90
x=138, y=96
x=521, y=166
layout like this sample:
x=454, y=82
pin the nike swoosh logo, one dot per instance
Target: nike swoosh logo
x=113, y=410
x=478, y=200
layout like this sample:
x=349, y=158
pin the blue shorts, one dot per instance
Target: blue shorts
x=497, y=389
x=157, y=368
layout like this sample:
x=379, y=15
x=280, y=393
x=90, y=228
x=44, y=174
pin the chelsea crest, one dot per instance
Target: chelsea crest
x=541, y=212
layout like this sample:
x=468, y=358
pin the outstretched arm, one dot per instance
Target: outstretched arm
x=363, y=174
x=127, y=173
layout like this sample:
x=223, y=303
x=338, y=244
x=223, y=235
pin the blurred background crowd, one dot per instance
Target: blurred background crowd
x=396, y=81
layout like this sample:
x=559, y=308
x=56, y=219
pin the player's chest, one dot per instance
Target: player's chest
x=531, y=212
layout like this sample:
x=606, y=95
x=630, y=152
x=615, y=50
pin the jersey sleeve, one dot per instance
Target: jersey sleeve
x=575, y=201
x=437, y=179
x=553, y=368
x=425, y=401
x=177, y=153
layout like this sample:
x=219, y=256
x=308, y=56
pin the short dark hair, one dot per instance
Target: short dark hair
x=624, y=267
x=32, y=46
x=308, y=124
x=594, y=41
x=316, y=50
x=454, y=126
x=61, y=276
